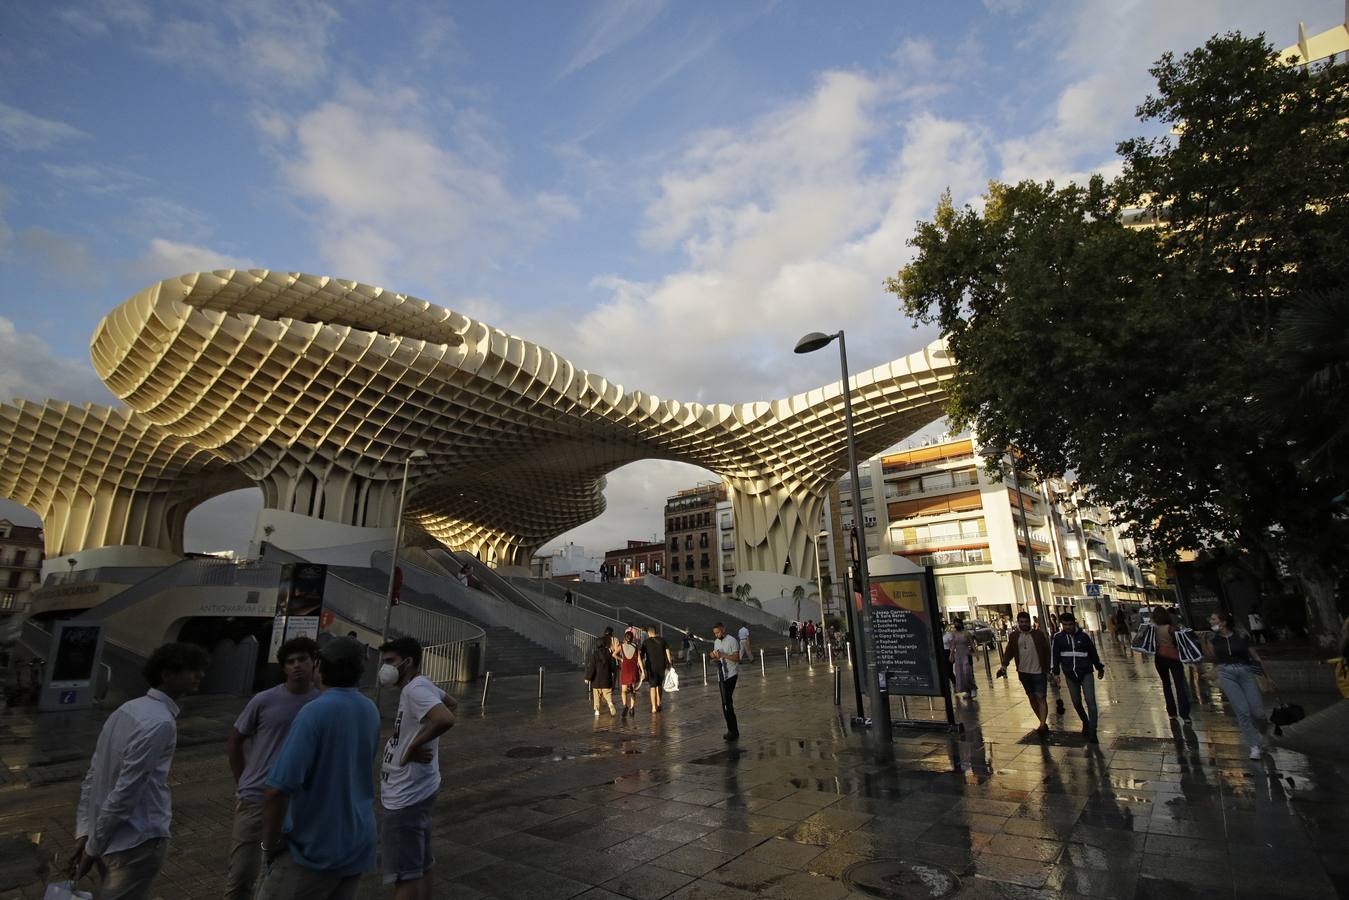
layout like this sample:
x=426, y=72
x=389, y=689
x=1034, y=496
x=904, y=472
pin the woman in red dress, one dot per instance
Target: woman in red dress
x=631, y=673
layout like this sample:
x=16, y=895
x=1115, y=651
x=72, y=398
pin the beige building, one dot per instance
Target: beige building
x=21, y=552
x=1329, y=48
x=317, y=390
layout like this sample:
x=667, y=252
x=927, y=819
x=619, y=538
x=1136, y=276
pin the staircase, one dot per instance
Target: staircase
x=639, y=605
x=508, y=653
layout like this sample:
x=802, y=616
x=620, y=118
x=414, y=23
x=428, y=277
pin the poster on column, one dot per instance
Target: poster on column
x=299, y=603
x=902, y=617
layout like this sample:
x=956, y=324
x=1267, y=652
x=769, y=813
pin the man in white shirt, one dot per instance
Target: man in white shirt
x=746, y=654
x=726, y=651
x=263, y=726
x=410, y=769
x=122, y=822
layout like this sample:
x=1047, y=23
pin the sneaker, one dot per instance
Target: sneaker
x=597, y=713
x=1255, y=752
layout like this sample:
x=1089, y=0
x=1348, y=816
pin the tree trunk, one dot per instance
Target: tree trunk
x=1318, y=590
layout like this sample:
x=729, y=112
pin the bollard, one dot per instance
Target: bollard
x=829, y=649
x=540, y=684
x=850, y=656
x=988, y=667
x=787, y=657
x=704, y=668
x=763, y=670
x=838, y=687
x=810, y=657
x=486, y=684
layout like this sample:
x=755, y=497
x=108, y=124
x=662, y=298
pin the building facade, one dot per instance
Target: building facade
x=21, y=555
x=634, y=562
x=566, y=563
x=693, y=537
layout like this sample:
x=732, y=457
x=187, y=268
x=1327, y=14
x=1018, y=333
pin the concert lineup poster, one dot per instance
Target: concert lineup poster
x=902, y=635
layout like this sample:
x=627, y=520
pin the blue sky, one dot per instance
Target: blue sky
x=666, y=193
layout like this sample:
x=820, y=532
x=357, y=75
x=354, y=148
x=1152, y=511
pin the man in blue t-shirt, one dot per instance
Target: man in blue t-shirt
x=321, y=792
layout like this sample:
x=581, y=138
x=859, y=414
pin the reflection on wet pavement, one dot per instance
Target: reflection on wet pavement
x=544, y=800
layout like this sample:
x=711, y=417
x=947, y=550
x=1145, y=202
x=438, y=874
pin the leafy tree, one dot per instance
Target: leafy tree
x=1154, y=362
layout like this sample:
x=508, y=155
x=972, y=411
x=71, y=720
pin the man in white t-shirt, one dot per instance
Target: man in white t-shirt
x=726, y=651
x=746, y=654
x=410, y=768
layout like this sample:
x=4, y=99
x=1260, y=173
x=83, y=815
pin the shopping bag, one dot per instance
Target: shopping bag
x=65, y=890
x=1285, y=714
x=1188, y=645
x=671, y=680
x=1146, y=639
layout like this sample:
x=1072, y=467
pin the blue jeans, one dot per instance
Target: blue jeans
x=1170, y=671
x=1242, y=691
x=1077, y=689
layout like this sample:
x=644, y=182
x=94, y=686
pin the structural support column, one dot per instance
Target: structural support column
x=775, y=526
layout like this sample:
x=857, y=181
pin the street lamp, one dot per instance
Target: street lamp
x=880, y=712
x=819, y=574
x=415, y=455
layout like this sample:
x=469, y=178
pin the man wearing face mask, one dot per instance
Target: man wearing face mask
x=410, y=770
x=1030, y=649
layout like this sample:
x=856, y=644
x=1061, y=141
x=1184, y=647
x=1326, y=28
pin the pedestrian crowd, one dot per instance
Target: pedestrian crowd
x=303, y=757
x=302, y=752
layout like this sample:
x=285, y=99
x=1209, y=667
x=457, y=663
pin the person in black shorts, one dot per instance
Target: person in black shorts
x=1030, y=649
x=658, y=659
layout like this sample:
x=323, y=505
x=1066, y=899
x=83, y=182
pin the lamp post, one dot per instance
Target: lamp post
x=1030, y=551
x=880, y=712
x=397, y=537
x=819, y=574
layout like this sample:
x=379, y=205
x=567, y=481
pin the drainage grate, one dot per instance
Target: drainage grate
x=901, y=878
x=528, y=752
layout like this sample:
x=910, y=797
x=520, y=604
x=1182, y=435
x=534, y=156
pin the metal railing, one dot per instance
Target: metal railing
x=939, y=538
x=734, y=608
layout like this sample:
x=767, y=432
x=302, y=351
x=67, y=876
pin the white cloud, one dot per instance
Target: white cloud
x=636, y=505
x=787, y=225
x=916, y=53
x=31, y=370
x=22, y=130
x=1103, y=50
x=611, y=25
x=265, y=44
x=388, y=192
x=165, y=259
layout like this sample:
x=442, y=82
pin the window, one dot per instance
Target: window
x=688, y=563
x=642, y=567
x=674, y=564
x=702, y=540
x=674, y=543
x=19, y=556
x=706, y=561
x=688, y=542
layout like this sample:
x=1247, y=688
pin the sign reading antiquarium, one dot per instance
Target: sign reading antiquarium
x=902, y=617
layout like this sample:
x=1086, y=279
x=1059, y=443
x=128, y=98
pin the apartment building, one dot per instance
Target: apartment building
x=935, y=506
x=693, y=537
x=21, y=554
x=634, y=562
x=1097, y=559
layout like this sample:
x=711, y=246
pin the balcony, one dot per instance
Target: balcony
x=943, y=539
x=948, y=558
x=894, y=491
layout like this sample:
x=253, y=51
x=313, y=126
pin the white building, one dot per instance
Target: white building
x=566, y=562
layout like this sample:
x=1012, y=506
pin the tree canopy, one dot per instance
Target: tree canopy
x=1191, y=371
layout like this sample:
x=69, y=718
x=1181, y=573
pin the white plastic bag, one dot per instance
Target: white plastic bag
x=65, y=890
x=671, y=680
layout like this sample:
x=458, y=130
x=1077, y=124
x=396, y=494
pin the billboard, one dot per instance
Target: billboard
x=904, y=636
x=299, y=603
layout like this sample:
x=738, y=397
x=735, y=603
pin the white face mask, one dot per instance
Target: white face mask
x=388, y=675
x=1216, y=627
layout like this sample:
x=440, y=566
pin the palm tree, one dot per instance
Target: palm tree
x=798, y=595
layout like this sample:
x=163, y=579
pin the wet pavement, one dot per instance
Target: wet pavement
x=542, y=800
